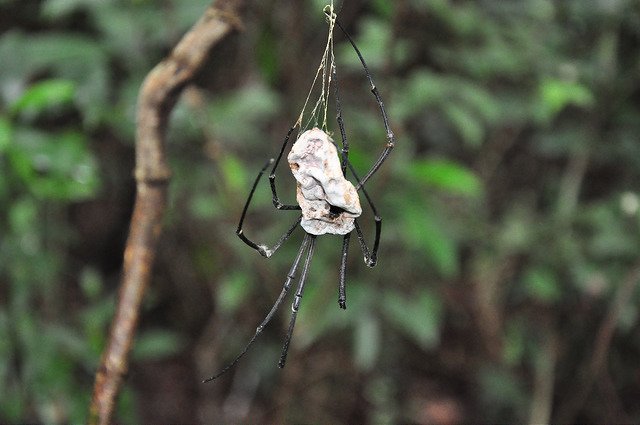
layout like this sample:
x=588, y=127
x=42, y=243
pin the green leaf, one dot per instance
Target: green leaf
x=418, y=315
x=446, y=175
x=91, y=283
x=69, y=57
x=6, y=133
x=420, y=90
x=426, y=232
x=95, y=321
x=56, y=9
x=374, y=41
x=157, y=344
x=69, y=341
x=468, y=126
x=205, y=206
x=55, y=166
x=13, y=405
x=384, y=8
x=517, y=228
x=44, y=95
x=554, y=95
x=22, y=214
x=239, y=117
x=541, y=284
x=127, y=407
x=234, y=173
x=232, y=291
x=266, y=55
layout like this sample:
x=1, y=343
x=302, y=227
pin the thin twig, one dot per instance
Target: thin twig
x=596, y=365
x=158, y=95
x=545, y=367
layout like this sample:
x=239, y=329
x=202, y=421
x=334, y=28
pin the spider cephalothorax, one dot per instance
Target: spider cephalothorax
x=327, y=201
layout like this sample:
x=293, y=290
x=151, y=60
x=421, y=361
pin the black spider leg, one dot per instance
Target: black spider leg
x=342, y=292
x=272, y=177
x=390, y=137
x=342, y=295
x=370, y=257
x=296, y=301
x=264, y=250
x=276, y=305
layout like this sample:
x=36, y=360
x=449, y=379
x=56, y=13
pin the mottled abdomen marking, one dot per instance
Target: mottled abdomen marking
x=329, y=202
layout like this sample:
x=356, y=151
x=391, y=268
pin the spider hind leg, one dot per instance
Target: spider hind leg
x=298, y=298
x=274, y=308
x=342, y=294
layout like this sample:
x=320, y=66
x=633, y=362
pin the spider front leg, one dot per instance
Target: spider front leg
x=343, y=133
x=272, y=177
x=264, y=250
x=390, y=136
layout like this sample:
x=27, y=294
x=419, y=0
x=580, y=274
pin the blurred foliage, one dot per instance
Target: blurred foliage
x=56, y=98
x=511, y=214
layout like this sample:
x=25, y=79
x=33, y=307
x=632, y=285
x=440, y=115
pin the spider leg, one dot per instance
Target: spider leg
x=296, y=301
x=264, y=250
x=390, y=137
x=342, y=295
x=272, y=177
x=370, y=257
x=267, y=319
x=343, y=133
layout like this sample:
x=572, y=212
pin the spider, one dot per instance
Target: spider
x=328, y=202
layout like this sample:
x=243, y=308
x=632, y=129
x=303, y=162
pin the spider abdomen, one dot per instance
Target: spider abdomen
x=329, y=201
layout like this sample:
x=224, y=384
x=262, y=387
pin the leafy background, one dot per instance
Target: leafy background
x=506, y=289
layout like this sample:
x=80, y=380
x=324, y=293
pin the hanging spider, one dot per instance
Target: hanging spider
x=329, y=203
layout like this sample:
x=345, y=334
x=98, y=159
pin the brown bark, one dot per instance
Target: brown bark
x=158, y=95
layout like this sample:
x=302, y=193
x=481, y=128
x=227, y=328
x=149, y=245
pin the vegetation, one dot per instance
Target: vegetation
x=506, y=286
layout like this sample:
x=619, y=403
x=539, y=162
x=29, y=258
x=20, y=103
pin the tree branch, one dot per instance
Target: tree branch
x=158, y=95
x=597, y=364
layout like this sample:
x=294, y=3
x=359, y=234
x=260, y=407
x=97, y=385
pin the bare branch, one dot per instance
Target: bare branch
x=595, y=366
x=158, y=95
